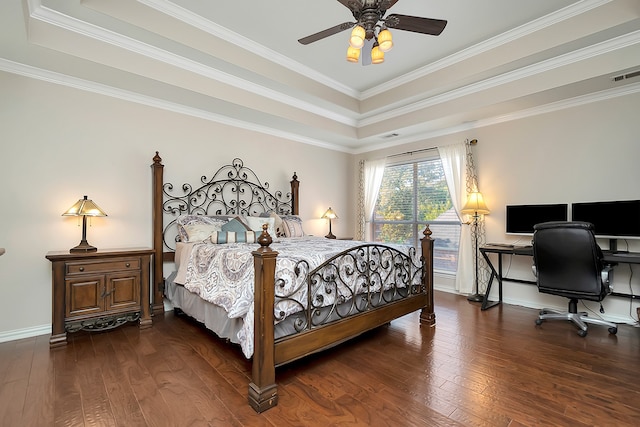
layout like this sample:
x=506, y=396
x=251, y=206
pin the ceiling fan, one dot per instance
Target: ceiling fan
x=370, y=31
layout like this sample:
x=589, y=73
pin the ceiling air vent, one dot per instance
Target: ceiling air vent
x=626, y=76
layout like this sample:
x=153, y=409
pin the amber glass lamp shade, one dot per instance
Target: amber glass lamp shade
x=84, y=208
x=377, y=56
x=353, y=55
x=385, y=40
x=357, y=37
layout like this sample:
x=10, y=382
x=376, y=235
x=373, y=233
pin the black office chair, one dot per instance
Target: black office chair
x=568, y=262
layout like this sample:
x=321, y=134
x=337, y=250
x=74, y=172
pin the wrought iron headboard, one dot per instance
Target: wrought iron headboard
x=233, y=190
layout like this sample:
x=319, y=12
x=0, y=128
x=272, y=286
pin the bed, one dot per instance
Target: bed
x=286, y=295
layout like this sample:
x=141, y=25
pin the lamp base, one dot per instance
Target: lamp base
x=475, y=298
x=84, y=246
x=330, y=236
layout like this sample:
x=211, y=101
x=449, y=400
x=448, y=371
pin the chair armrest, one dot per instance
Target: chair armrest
x=604, y=274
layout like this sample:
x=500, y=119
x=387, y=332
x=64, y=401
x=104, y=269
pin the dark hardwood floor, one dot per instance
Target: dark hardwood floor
x=474, y=368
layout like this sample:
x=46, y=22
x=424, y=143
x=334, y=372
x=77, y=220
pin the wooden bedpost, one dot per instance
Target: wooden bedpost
x=157, y=303
x=295, y=185
x=263, y=392
x=427, y=315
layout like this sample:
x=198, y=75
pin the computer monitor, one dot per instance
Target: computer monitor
x=522, y=218
x=615, y=220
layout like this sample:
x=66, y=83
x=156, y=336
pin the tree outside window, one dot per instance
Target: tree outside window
x=411, y=196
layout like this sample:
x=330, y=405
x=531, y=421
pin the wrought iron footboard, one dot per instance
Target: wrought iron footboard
x=354, y=281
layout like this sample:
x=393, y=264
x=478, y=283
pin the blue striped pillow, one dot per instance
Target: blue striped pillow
x=221, y=237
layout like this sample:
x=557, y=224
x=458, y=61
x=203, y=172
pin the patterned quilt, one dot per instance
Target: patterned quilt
x=223, y=274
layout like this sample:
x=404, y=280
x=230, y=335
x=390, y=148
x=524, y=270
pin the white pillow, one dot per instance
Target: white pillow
x=199, y=232
x=255, y=223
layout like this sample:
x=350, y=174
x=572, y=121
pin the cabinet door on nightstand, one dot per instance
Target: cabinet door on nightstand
x=84, y=296
x=124, y=291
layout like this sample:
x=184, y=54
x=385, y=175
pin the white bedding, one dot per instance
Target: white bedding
x=223, y=274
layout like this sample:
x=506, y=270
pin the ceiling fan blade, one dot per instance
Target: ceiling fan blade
x=365, y=52
x=416, y=24
x=326, y=33
x=386, y=4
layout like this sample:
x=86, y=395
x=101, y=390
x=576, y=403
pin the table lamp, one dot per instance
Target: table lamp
x=330, y=214
x=475, y=206
x=84, y=208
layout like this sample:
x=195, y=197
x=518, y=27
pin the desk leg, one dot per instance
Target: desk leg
x=486, y=304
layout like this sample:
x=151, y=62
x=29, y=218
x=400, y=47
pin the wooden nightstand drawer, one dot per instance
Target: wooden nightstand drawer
x=99, y=266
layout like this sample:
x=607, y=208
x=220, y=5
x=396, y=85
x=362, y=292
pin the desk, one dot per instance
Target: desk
x=609, y=258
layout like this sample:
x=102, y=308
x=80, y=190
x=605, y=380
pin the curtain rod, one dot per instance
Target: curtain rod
x=472, y=142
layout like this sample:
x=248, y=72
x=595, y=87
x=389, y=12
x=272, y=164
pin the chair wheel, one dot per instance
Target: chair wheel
x=538, y=322
x=582, y=333
x=613, y=330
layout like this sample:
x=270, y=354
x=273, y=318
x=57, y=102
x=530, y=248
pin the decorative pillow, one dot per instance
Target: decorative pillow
x=235, y=225
x=233, y=237
x=191, y=219
x=198, y=232
x=255, y=222
x=292, y=226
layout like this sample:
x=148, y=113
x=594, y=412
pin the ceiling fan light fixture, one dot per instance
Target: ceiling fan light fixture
x=385, y=40
x=356, y=40
x=353, y=55
x=377, y=55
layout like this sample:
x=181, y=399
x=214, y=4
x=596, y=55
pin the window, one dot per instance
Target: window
x=411, y=196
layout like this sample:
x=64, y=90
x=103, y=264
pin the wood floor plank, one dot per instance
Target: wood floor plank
x=68, y=398
x=12, y=397
x=126, y=411
x=39, y=400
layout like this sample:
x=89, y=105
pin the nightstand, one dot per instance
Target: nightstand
x=97, y=291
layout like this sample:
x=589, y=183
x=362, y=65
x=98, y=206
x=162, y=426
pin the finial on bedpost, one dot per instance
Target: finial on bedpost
x=157, y=159
x=427, y=232
x=264, y=239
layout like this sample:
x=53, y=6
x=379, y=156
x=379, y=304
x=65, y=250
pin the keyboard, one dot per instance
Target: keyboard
x=501, y=245
x=624, y=254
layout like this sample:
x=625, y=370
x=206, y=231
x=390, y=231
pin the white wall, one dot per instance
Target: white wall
x=58, y=144
x=585, y=153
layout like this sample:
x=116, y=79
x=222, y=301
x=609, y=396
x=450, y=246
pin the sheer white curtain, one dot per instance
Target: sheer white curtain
x=373, y=170
x=454, y=164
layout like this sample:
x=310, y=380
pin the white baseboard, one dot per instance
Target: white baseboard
x=19, y=334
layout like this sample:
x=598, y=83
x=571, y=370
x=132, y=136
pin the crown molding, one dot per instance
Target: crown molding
x=508, y=37
x=97, y=88
x=577, y=101
x=93, y=87
x=44, y=14
x=184, y=15
x=617, y=43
